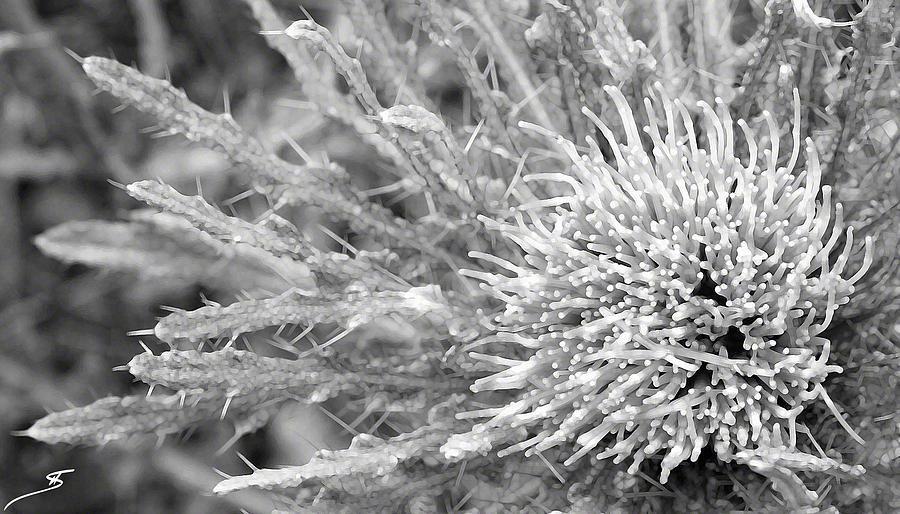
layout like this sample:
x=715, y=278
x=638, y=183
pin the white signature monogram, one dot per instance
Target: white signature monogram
x=54, y=482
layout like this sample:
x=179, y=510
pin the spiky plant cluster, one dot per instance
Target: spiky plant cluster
x=555, y=291
x=673, y=301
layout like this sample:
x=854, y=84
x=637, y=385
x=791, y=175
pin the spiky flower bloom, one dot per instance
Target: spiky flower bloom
x=671, y=299
x=644, y=298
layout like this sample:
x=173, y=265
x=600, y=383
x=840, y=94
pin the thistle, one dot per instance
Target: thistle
x=671, y=301
x=560, y=293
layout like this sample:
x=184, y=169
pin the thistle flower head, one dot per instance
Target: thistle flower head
x=673, y=299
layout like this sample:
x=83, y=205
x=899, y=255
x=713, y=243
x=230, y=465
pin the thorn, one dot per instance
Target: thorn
x=221, y=473
x=303, y=334
x=429, y=202
x=79, y=59
x=227, y=404
x=550, y=466
x=207, y=301
x=150, y=390
x=226, y=102
x=318, y=348
x=297, y=104
x=380, y=421
x=93, y=392
x=296, y=147
x=459, y=477
x=187, y=434
x=399, y=198
x=238, y=197
x=146, y=349
x=164, y=133
x=247, y=461
x=336, y=338
x=402, y=85
x=230, y=442
x=528, y=99
x=281, y=344
x=390, y=188
x=660, y=486
x=143, y=332
x=123, y=367
x=117, y=184
x=259, y=219
x=463, y=500
x=306, y=13
x=474, y=135
x=339, y=239
x=837, y=414
x=365, y=413
x=339, y=421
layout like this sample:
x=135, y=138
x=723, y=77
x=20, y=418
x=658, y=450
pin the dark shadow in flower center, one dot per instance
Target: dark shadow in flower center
x=701, y=378
x=733, y=341
x=707, y=288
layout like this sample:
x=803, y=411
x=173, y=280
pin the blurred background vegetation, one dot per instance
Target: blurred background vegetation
x=64, y=327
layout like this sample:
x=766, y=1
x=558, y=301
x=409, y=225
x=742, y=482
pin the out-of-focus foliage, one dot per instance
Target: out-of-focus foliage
x=64, y=327
x=460, y=247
